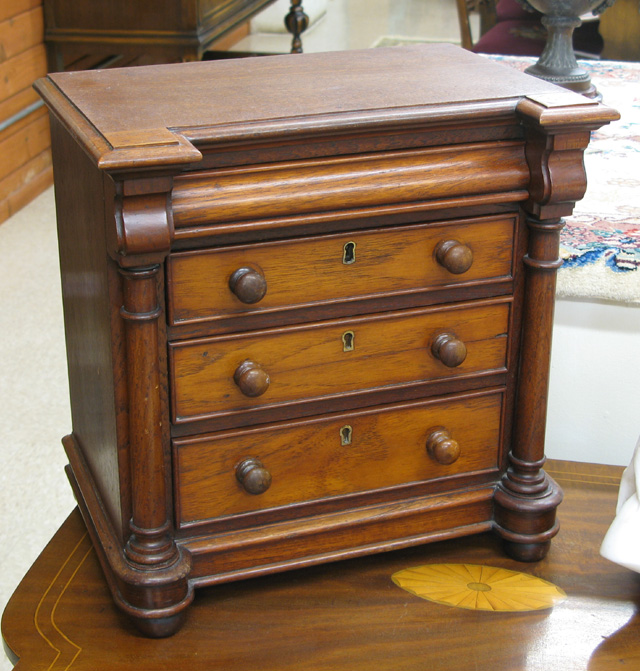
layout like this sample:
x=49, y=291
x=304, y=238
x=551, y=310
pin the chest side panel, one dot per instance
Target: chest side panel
x=90, y=298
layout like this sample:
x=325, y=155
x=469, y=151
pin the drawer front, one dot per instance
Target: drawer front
x=335, y=456
x=278, y=366
x=296, y=273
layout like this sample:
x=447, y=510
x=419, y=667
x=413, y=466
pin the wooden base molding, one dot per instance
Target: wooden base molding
x=351, y=614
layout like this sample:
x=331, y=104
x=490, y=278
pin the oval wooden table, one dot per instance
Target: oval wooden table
x=347, y=615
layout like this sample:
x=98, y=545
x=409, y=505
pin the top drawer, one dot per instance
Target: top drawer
x=268, y=277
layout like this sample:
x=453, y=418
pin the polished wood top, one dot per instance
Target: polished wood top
x=289, y=86
x=163, y=111
x=348, y=615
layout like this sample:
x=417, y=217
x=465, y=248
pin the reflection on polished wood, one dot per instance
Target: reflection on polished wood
x=620, y=27
x=348, y=615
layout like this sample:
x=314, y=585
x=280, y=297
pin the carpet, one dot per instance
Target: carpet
x=600, y=243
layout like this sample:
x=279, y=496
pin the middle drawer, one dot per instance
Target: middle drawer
x=228, y=374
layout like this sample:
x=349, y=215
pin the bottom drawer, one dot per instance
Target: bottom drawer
x=335, y=455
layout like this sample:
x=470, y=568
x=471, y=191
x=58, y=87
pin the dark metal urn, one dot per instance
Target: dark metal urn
x=557, y=62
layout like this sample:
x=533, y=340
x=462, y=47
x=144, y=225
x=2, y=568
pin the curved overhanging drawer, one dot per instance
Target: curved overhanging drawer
x=252, y=193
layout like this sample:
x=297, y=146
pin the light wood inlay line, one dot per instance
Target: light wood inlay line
x=44, y=619
x=589, y=480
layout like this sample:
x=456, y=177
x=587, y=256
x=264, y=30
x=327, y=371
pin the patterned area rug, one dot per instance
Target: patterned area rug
x=600, y=244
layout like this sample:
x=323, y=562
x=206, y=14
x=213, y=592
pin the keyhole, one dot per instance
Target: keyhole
x=348, y=341
x=349, y=255
x=345, y=435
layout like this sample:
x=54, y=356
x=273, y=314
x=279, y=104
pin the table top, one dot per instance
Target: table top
x=232, y=91
x=162, y=112
x=350, y=614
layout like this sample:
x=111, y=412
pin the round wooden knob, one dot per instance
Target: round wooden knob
x=449, y=349
x=441, y=446
x=253, y=476
x=454, y=256
x=251, y=378
x=248, y=285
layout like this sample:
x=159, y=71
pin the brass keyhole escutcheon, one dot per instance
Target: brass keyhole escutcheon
x=348, y=341
x=346, y=433
x=349, y=253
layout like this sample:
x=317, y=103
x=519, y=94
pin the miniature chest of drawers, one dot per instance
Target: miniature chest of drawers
x=308, y=306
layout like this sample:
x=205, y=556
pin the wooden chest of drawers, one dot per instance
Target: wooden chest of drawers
x=308, y=303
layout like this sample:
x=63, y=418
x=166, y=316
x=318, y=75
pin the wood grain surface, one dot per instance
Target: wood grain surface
x=312, y=270
x=307, y=187
x=261, y=89
x=310, y=460
x=309, y=361
x=159, y=31
x=407, y=136
x=348, y=615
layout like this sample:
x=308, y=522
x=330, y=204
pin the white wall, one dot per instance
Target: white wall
x=594, y=396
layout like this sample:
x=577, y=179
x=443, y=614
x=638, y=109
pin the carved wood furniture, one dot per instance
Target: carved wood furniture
x=620, y=27
x=160, y=29
x=308, y=305
x=343, y=616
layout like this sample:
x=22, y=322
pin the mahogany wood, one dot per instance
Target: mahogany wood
x=353, y=342
x=454, y=255
x=449, y=349
x=308, y=459
x=298, y=363
x=348, y=615
x=164, y=29
x=442, y=447
x=384, y=262
x=248, y=285
x=253, y=476
x=251, y=378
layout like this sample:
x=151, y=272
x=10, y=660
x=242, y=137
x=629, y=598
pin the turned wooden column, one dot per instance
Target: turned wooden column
x=296, y=22
x=526, y=498
x=149, y=543
x=156, y=592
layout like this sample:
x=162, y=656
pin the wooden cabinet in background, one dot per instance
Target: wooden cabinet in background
x=157, y=30
x=620, y=29
x=308, y=304
x=25, y=159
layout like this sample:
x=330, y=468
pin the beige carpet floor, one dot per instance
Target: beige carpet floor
x=35, y=497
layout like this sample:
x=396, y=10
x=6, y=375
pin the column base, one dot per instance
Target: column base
x=527, y=523
x=154, y=598
x=161, y=627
